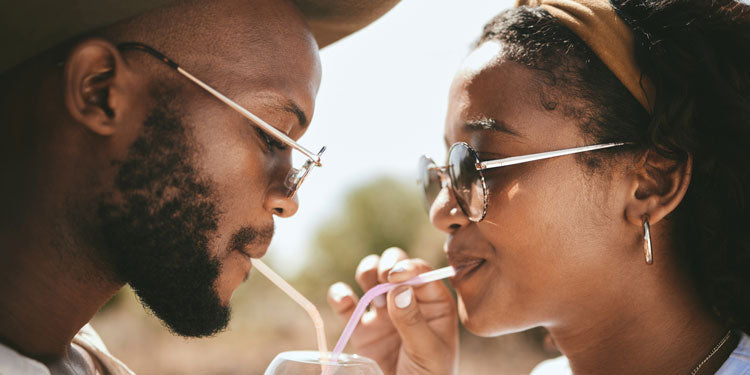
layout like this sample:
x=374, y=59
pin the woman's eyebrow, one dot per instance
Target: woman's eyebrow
x=485, y=123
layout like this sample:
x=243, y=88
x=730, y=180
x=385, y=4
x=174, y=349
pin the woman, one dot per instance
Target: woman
x=634, y=253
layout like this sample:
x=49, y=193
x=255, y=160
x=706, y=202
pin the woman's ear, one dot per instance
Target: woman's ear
x=658, y=187
x=96, y=85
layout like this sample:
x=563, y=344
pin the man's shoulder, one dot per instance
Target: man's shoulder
x=13, y=362
x=89, y=340
x=554, y=366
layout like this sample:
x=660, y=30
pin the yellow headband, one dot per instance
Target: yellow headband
x=597, y=24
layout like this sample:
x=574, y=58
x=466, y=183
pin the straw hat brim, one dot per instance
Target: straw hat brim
x=32, y=26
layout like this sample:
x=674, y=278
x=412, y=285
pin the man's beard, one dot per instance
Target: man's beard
x=157, y=227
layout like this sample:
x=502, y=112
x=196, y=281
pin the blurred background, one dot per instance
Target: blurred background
x=381, y=105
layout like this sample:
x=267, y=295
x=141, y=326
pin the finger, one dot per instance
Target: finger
x=342, y=300
x=389, y=259
x=406, y=269
x=367, y=272
x=411, y=325
x=435, y=291
x=431, y=344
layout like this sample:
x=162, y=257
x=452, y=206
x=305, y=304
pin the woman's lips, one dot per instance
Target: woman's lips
x=465, y=269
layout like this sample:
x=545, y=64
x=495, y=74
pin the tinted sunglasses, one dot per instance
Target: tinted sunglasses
x=464, y=175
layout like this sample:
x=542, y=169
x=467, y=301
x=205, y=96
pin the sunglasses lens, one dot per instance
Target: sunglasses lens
x=467, y=180
x=428, y=180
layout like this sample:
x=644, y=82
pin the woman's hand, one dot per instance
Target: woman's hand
x=412, y=330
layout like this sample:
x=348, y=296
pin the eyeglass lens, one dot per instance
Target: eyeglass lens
x=296, y=176
x=465, y=181
x=429, y=180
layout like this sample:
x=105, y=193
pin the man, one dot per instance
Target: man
x=121, y=167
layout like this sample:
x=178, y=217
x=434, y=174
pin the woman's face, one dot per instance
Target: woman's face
x=554, y=233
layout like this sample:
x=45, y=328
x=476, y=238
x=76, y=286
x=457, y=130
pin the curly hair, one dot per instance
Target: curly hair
x=697, y=54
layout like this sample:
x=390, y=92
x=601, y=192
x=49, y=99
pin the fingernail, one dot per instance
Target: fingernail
x=379, y=301
x=403, y=299
x=339, y=291
x=398, y=269
x=370, y=261
x=390, y=257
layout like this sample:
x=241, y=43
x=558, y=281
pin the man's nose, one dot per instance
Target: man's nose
x=278, y=201
x=445, y=213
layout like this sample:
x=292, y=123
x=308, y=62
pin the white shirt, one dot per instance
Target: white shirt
x=14, y=363
x=738, y=362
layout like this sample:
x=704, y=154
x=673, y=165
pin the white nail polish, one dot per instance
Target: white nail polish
x=338, y=292
x=398, y=269
x=379, y=301
x=403, y=300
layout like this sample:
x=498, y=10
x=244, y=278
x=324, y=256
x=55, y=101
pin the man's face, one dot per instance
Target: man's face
x=195, y=197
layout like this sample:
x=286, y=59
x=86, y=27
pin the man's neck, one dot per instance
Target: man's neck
x=661, y=329
x=47, y=291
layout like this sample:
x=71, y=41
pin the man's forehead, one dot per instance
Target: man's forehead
x=284, y=83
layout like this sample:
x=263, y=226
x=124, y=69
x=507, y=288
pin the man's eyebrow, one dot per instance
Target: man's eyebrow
x=291, y=107
x=485, y=123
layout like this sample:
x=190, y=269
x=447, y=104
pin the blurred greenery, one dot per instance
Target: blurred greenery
x=382, y=213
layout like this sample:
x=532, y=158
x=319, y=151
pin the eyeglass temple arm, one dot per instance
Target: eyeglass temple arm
x=247, y=114
x=542, y=155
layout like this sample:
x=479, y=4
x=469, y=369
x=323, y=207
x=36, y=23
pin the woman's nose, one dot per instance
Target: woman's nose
x=445, y=214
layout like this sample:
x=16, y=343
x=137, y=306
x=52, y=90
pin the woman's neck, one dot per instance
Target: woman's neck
x=657, y=326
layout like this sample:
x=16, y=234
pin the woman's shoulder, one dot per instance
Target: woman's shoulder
x=738, y=362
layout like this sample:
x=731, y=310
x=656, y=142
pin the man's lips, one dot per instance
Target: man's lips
x=255, y=249
x=252, y=242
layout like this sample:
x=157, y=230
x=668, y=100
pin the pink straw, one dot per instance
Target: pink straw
x=377, y=290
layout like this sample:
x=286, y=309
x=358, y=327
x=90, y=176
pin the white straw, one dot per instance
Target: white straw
x=301, y=300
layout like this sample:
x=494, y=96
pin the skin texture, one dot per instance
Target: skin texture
x=562, y=245
x=125, y=171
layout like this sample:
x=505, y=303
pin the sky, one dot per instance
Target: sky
x=381, y=104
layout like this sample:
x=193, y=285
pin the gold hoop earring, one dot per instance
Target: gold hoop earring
x=647, y=250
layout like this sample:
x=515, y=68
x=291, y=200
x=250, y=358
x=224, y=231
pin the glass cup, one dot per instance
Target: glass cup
x=308, y=362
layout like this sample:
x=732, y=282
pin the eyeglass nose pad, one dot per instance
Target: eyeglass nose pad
x=296, y=176
x=290, y=182
x=445, y=180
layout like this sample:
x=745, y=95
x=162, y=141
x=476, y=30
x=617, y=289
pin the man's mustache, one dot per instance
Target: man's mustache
x=251, y=236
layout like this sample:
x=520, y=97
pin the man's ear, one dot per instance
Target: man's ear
x=658, y=187
x=95, y=85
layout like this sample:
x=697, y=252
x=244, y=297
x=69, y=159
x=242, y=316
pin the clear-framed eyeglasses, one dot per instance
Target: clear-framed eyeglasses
x=296, y=176
x=464, y=175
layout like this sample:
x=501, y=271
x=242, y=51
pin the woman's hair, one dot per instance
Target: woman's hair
x=697, y=54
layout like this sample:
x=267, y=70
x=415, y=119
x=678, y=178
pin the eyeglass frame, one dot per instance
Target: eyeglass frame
x=502, y=162
x=299, y=174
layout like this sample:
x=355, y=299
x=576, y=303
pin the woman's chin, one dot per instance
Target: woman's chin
x=484, y=321
x=472, y=319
